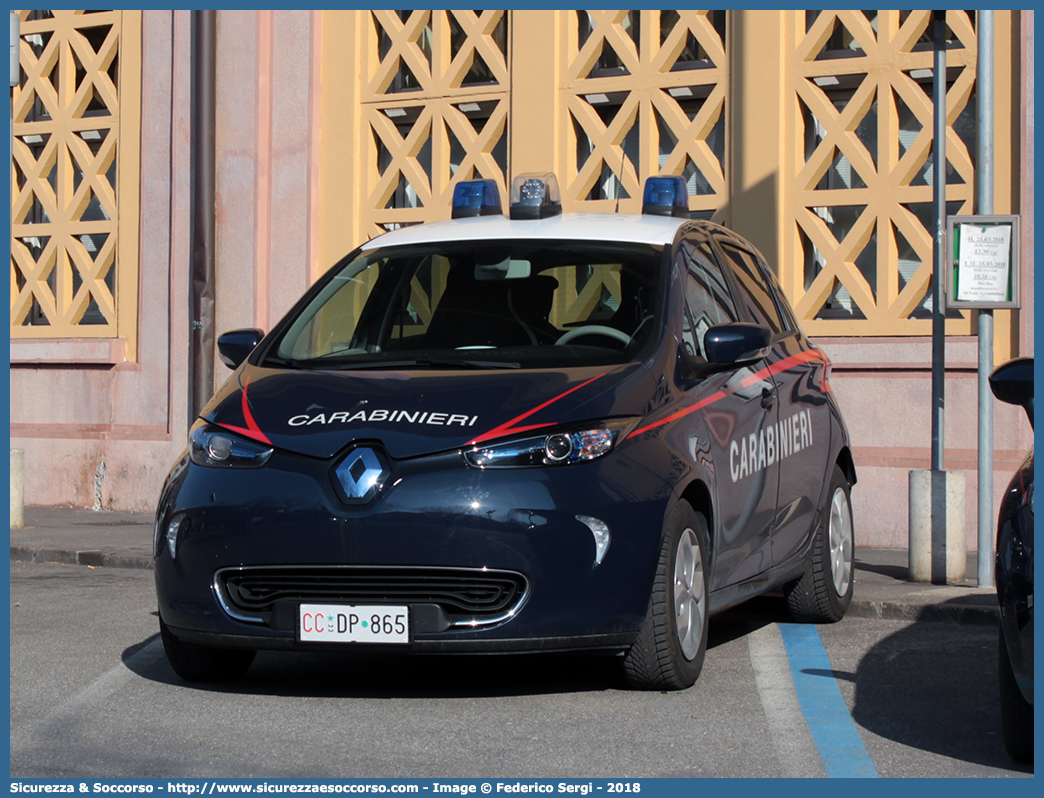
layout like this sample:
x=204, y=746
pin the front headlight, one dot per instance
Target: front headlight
x=563, y=446
x=218, y=448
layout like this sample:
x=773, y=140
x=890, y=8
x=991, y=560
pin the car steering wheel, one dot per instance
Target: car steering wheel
x=595, y=329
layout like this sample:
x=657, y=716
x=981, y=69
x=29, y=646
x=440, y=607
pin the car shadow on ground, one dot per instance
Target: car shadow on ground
x=380, y=675
x=927, y=684
x=391, y=675
x=923, y=686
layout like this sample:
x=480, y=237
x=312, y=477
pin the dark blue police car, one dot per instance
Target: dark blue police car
x=526, y=432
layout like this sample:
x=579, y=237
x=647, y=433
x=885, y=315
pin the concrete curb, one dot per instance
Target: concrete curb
x=95, y=559
x=904, y=611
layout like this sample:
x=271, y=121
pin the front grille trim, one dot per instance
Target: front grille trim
x=362, y=584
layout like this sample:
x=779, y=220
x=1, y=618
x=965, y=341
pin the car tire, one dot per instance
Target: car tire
x=823, y=593
x=1016, y=712
x=672, y=643
x=196, y=663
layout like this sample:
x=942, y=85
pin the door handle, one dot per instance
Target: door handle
x=768, y=398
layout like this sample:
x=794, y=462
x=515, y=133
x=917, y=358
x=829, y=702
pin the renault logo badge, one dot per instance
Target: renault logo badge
x=361, y=474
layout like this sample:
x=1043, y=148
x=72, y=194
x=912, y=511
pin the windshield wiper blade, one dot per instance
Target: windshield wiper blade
x=283, y=362
x=476, y=364
x=425, y=362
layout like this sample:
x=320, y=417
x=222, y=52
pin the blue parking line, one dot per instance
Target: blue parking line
x=827, y=715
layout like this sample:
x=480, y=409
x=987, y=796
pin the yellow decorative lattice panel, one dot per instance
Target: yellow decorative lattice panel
x=858, y=121
x=74, y=187
x=434, y=110
x=645, y=94
x=437, y=52
x=414, y=155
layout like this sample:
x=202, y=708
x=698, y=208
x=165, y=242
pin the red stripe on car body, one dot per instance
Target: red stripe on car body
x=782, y=365
x=509, y=428
x=757, y=376
x=252, y=430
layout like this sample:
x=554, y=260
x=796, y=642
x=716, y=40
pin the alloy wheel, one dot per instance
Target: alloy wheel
x=689, y=594
x=840, y=541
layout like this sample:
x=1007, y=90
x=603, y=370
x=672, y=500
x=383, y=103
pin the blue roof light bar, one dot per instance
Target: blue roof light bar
x=666, y=196
x=476, y=198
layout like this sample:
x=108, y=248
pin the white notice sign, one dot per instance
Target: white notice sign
x=985, y=263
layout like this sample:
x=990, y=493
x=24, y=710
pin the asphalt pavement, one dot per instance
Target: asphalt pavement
x=124, y=540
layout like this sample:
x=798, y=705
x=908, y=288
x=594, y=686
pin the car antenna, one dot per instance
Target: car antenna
x=619, y=177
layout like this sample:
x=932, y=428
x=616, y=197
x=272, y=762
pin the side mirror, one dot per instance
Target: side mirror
x=235, y=345
x=1013, y=383
x=733, y=344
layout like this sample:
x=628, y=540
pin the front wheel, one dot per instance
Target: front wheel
x=195, y=663
x=822, y=594
x=672, y=643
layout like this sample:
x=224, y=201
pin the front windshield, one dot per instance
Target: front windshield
x=510, y=304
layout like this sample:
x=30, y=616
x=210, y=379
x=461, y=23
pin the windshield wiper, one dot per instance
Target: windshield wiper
x=282, y=362
x=425, y=362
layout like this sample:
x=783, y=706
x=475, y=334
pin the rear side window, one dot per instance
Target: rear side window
x=756, y=287
x=708, y=302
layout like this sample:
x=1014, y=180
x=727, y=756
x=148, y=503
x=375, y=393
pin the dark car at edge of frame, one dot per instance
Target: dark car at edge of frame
x=1013, y=383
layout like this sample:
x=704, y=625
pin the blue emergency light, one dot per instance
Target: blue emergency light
x=666, y=196
x=535, y=196
x=476, y=198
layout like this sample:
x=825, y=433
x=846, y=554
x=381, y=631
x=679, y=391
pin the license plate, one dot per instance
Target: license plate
x=340, y=623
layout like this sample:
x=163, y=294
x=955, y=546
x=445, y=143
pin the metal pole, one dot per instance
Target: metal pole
x=984, y=203
x=201, y=340
x=17, y=473
x=939, y=248
x=16, y=68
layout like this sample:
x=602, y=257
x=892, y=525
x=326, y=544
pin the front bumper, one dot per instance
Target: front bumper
x=435, y=515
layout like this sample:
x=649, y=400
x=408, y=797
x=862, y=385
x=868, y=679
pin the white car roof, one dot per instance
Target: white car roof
x=626, y=228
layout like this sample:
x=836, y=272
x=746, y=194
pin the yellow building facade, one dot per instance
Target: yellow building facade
x=808, y=132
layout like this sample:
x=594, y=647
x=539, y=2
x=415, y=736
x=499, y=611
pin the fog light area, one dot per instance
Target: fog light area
x=172, y=536
x=601, y=535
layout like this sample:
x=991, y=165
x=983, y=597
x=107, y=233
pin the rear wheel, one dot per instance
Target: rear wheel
x=822, y=594
x=672, y=643
x=1016, y=711
x=196, y=663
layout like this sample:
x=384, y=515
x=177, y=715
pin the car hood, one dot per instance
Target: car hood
x=318, y=413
